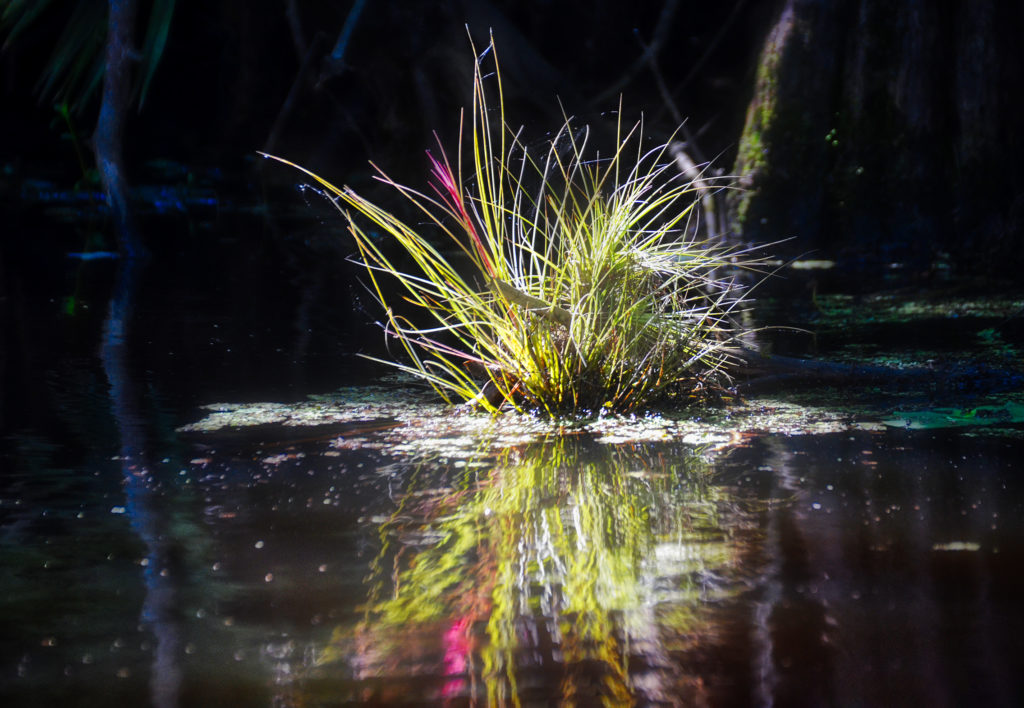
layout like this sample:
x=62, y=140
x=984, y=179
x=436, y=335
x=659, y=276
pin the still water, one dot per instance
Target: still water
x=202, y=504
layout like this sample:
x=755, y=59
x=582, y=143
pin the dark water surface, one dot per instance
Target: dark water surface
x=319, y=565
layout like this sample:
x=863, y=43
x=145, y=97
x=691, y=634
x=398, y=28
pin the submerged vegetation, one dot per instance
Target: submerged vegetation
x=588, y=287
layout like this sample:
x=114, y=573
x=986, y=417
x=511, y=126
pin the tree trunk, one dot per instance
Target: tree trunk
x=889, y=131
x=108, y=140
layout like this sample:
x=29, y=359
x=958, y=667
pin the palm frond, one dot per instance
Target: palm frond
x=74, y=70
x=158, y=28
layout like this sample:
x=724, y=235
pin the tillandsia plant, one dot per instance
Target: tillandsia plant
x=587, y=289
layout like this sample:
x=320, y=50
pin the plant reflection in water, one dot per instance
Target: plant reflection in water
x=566, y=570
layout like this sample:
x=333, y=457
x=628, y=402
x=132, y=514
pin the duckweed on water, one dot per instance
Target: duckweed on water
x=400, y=415
x=391, y=418
x=1008, y=413
x=841, y=310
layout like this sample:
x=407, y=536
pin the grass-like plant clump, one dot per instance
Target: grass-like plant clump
x=585, y=289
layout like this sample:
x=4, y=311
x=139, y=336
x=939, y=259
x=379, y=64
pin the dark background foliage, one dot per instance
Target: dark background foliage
x=229, y=66
x=875, y=131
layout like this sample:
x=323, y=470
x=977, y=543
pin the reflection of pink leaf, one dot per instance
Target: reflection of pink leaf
x=457, y=645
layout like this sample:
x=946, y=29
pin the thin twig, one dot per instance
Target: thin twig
x=661, y=33
x=335, y=62
x=695, y=175
x=680, y=151
x=293, y=94
x=291, y=12
x=712, y=45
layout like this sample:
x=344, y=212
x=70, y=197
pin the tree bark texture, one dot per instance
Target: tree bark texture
x=889, y=131
x=108, y=139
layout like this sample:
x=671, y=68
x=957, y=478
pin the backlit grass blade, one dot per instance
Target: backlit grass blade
x=584, y=287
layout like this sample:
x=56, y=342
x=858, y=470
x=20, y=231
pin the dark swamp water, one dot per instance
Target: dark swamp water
x=207, y=500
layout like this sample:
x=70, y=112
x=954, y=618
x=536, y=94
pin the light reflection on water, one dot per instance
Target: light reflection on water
x=565, y=569
x=867, y=568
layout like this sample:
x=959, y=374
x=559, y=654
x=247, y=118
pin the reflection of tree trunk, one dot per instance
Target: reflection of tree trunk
x=108, y=139
x=142, y=504
x=888, y=129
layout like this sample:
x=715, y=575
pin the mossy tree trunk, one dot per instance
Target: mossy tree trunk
x=889, y=131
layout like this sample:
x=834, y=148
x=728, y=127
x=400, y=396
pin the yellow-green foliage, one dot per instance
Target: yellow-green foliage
x=585, y=292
